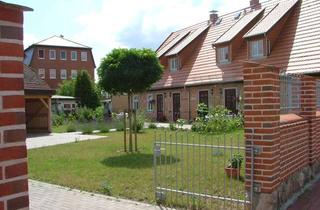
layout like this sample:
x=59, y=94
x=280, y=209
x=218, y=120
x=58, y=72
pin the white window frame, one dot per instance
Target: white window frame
x=135, y=102
x=174, y=64
x=223, y=54
x=65, y=52
x=76, y=55
x=42, y=73
x=65, y=73
x=54, y=55
x=53, y=74
x=84, y=56
x=74, y=72
x=150, y=105
x=255, y=46
x=44, y=54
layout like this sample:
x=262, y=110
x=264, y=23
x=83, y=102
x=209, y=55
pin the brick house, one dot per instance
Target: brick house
x=57, y=59
x=203, y=62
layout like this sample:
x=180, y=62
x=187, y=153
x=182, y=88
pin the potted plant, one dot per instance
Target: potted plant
x=233, y=169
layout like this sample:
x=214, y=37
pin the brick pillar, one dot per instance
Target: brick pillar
x=13, y=153
x=308, y=111
x=262, y=130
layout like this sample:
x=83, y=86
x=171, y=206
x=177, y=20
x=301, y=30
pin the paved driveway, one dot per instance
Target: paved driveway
x=45, y=196
x=43, y=140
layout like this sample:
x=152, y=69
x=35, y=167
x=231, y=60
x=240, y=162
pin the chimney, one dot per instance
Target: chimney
x=254, y=4
x=61, y=36
x=213, y=16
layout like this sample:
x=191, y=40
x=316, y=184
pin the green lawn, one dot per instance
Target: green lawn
x=89, y=165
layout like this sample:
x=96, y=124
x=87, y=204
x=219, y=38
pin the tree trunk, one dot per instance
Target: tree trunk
x=130, y=122
x=124, y=131
x=135, y=130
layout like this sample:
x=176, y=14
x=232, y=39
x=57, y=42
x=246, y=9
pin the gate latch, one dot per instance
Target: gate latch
x=257, y=150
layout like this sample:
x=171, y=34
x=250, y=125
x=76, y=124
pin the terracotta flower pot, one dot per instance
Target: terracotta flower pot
x=232, y=172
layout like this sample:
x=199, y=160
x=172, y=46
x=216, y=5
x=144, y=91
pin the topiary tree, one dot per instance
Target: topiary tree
x=85, y=90
x=129, y=71
x=66, y=88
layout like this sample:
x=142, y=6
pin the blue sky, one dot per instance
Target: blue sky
x=107, y=24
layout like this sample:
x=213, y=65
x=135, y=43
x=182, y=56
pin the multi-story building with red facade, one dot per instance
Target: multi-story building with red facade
x=57, y=59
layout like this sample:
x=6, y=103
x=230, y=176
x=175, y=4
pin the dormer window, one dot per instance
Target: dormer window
x=174, y=64
x=223, y=54
x=256, y=49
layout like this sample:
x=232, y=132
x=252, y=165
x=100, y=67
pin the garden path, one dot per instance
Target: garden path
x=44, y=196
x=43, y=140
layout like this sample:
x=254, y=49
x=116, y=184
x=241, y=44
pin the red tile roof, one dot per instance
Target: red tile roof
x=297, y=50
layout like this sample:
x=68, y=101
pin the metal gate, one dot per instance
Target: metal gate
x=190, y=171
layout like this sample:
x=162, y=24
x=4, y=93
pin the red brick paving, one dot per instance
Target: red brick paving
x=310, y=200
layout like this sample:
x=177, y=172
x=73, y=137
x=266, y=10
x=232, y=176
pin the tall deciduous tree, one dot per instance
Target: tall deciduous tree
x=129, y=71
x=85, y=90
x=66, y=88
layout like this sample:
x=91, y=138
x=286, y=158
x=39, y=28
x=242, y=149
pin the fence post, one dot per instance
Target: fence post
x=135, y=129
x=262, y=131
x=125, y=131
x=308, y=111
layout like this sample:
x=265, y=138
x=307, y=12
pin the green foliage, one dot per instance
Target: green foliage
x=173, y=127
x=71, y=127
x=236, y=161
x=86, y=91
x=152, y=126
x=99, y=114
x=129, y=71
x=218, y=120
x=87, y=128
x=106, y=188
x=58, y=119
x=141, y=119
x=66, y=88
x=119, y=125
x=180, y=123
x=84, y=114
x=202, y=110
x=104, y=127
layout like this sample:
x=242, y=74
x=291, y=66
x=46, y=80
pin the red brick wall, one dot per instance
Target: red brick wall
x=294, y=147
x=13, y=153
x=58, y=64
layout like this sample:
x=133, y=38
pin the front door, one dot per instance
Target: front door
x=160, y=116
x=176, y=106
x=230, y=98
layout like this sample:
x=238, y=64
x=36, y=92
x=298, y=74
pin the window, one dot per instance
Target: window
x=42, y=73
x=67, y=106
x=63, y=74
x=204, y=97
x=223, y=54
x=256, y=49
x=74, y=74
x=63, y=55
x=174, y=64
x=53, y=74
x=150, y=102
x=84, y=56
x=135, y=102
x=41, y=53
x=52, y=54
x=74, y=55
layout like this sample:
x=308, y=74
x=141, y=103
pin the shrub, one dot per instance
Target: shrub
x=87, y=128
x=119, y=126
x=218, y=120
x=202, y=110
x=173, y=127
x=180, y=123
x=104, y=128
x=58, y=119
x=99, y=114
x=106, y=188
x=140, y=120
x=152, y=126
x=84, y=114
x=71, y=127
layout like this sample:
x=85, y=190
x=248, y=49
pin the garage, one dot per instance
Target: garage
x=37, y=102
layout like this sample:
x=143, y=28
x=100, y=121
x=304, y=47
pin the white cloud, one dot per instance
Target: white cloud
x=143, y=23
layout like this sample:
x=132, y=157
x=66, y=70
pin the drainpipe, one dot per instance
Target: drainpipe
x=189, y=104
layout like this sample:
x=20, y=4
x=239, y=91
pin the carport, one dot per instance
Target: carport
x=38, y=102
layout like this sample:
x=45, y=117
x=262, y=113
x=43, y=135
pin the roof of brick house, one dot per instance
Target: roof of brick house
x=295, y=49
x=33, y=84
